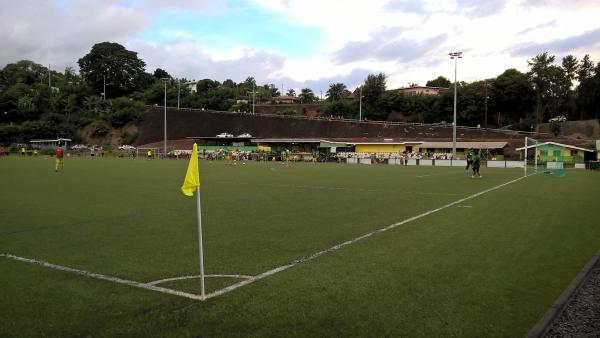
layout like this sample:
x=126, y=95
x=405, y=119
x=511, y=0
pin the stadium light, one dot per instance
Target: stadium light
x=360, y=105
x=455, y=56
x=165, y=80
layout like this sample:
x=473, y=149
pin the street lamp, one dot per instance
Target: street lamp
x=165, y=80
x=455, y=56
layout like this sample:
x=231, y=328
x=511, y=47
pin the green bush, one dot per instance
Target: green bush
x=128, y=138
x=124, y=110
x=99, y=128
x=555, y=128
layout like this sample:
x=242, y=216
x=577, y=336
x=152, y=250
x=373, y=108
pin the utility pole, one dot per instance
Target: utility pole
x=104, y=88
x=253, y=95
x=49, y=76
x=178, y=92
x=455, y=56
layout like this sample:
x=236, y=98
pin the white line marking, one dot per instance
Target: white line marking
x=103, y=277
x=160, y=281
x=348, y=242
x=438, y=174
x=151, y=286
x=318, y=187
x=465, y=206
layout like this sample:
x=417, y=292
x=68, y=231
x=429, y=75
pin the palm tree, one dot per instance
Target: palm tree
x=307, y=95
x=337, y=92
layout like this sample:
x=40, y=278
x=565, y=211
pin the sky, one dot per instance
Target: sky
x=305, y=43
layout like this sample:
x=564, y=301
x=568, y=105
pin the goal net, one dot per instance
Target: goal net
x=538, y=154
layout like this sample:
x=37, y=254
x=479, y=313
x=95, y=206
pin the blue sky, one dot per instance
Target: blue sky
x=305, y=43
x=239, y=24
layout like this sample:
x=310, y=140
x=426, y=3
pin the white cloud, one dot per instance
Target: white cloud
x=407, y=40
x=48, y=34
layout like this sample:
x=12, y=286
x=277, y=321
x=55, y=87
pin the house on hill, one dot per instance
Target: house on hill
x=421, y=90
x=283, y=99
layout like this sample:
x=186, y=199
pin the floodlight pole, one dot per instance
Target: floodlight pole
x=178, y=92
x=455, y=56
x=165, y=121
x=49, y=76
x=360, y=105
x=253, y=94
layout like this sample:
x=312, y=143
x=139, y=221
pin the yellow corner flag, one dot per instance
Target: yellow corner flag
x=192, y=177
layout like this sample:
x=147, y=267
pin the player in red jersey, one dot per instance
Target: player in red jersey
x=60, y=159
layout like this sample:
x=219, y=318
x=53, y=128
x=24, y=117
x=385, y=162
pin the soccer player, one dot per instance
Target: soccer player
x=469, y=159
x=476, y=164
x=23, y=151
x=59, y=163
x=149, y=154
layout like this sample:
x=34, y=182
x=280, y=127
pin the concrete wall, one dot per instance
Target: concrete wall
x=185, y=123
x=586, y=129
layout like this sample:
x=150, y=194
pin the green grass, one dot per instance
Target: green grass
x=490, y=266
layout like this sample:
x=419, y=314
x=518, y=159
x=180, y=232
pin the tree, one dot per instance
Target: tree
x=586, y=68
x=512, y=97
x=306, y=96
x=586, y=88
x=291, y=92
x=570, y=66
x=440, y=81
x=24, y=71
x=539, y=74
x=161, y=74
x=124, y=71
x=206, y=85
x=337, y=91
x=372, y=92
x=229, y=83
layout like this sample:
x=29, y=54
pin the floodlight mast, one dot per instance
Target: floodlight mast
x=165, y=80
x=455, y=56
x=360, y=106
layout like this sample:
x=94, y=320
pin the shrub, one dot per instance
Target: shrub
x=99, y=128
x=124, y=110
x=555, y=128
x=128, y=138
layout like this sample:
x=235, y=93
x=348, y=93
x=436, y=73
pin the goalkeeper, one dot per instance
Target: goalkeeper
x=476, y=164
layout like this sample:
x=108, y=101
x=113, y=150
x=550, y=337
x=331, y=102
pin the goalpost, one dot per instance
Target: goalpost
x=554, y=161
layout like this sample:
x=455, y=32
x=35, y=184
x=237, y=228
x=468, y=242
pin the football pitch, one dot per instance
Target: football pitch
x=304, y=250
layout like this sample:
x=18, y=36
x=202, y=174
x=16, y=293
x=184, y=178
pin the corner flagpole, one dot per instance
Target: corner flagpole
x=200, y=245
x=191, y=183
